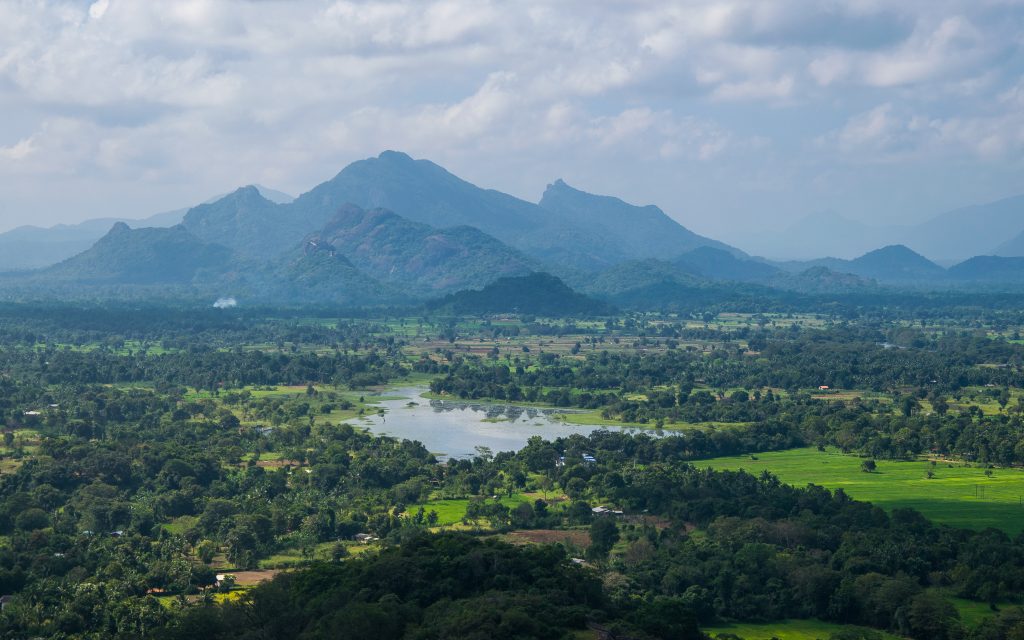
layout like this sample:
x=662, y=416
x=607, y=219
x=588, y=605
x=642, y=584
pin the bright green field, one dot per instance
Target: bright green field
x=954, y=496
x=973, y=613
x=451, y=512
x=785, y=630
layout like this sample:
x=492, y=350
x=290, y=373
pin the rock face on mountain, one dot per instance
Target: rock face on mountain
x=416, y=257
x=641, y=232
x=321, y=276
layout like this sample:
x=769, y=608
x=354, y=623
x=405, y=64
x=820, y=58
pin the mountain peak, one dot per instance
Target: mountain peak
x=562, y=188
x=533, y=293
x=143, y=256
x=395, y=156
x=248, y=193
x=273, y=195
x=895, y=262
x=643, y=231
x=415, y=256
x=895, y=251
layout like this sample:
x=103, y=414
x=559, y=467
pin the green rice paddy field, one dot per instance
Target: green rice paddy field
x=785, y=630
x=958, y=495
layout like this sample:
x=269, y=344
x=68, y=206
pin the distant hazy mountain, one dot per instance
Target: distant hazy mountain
x=416, y=257
x=392, y=229
x=947, y=238
x=31, y=247
x=421, y=191
x=170, y=261
x=245, y=221
x=570, y=230
x=650, y=284
x=275, y=196
x=1012, y=248
x=635, y=274
x=818, y=235
x=397, y=259
x=894, y=264
x=822, y=280
x=143, y=256
x=971, y=231
x=990, y=269
x=641, y=232
x=535, y=293
x=718, y=264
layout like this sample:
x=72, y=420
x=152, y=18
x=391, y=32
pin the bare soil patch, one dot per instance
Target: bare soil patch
x=577, y=537
x=250, y=578
x=276, y=464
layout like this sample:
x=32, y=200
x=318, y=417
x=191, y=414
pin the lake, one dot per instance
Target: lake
x=453, y=428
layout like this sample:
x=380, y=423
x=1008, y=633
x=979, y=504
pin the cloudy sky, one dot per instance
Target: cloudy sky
x=735, y=116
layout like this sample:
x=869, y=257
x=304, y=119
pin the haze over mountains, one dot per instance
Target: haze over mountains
x=995, y=228
x=31, y=247
x=392, y=229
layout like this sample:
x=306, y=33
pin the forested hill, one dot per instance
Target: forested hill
x=640, y=232
x=443, y=234
x=535, y=294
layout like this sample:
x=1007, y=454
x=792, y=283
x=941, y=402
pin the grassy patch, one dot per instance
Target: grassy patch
x=784, y=630
x=322, y=552
x=451, y=512
x=957, y=495
x=974, y=613
x=181, y=524
x=594, y=418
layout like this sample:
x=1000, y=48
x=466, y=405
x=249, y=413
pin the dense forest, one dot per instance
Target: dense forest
x=142, y=471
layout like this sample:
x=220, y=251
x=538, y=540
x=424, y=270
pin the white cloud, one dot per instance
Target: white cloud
x=98, y=8
x=196, y=96
x=885, y=134
x=18, y=151
x=944, y=49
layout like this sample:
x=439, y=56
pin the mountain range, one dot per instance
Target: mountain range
x=1012, y=248
x=392, y=229
x=995, y=228
x=32, y=247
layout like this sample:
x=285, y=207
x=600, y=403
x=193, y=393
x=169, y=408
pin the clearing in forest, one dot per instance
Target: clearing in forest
x=957, y=494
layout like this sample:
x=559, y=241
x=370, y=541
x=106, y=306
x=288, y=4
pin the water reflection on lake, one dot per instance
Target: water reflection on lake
x=453, y=428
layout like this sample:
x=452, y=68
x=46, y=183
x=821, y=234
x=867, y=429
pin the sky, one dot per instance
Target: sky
x=737, y=117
